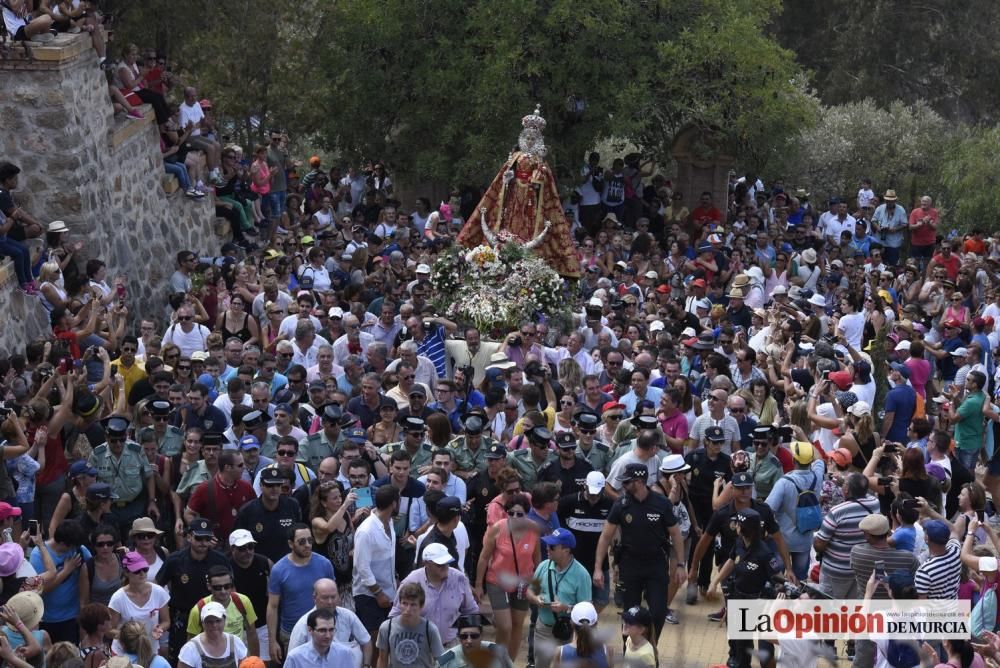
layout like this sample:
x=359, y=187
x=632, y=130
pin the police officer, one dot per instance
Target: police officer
x=169, y=439
x=569, y=469
x=764, y=464
x=471, y=447
x=598, y=453
x=708, y=465
x=585, y=514
x=719, y=536
x=470, y=634
x=751, y=565
x=326, y=442
x=255, y=423
x=642, y=423
x=269, y=517
x=124, y=467
x=530, y=460
x=421, y=452
x=648, y=529
x=482, y=488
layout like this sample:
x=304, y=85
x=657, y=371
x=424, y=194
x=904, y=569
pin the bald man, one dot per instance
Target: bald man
x=350, y=632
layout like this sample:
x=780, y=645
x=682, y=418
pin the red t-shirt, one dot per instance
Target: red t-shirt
x=69, y=336
x=951, y=265
x=925, y=235
x=223, y=508
x=55, y=458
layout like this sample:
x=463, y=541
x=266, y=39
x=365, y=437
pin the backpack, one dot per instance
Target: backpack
x=984, y=615
x=237, y=601
x=808, y=512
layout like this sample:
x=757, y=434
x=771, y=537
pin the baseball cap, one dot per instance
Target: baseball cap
x=562, y=537
x=637, y=616
x=213, y=609
x=99, y=491
x=747, y=515
x=249, y=442
x=802, y=452
x=200, y=527
x=903, y=370
x=842, y=457
x=987, y=564
x=423, y=269
x=7, y=510
x=134, y=562
x=611, y=405
x=937, y=532
x=356, y=435
x=742, y=479
x=240, y=537
x=418, y=389
x=633, y=472
x=448, y=507
x=82, y=468
x=595, y=482
x=438, y=554
x=585, y=614
x=841, y=379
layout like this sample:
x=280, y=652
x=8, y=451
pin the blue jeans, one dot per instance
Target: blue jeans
x=17, y=252
x=968, y=458
x=180, y=171
x=276, y=199
x=800, y=564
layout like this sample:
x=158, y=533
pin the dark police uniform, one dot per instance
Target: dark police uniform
x=570, y=479
x=269, y=527
x=481, y=489
x=645, y=541
x=752, y=569
x=703, y=474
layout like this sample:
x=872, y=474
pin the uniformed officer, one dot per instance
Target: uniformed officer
x=585, y=514
x=326, y=442
x=642, y=423
x=527, y=462
x=421, y=452
x=471, y=447
x=472, y=646
x=482, y=488
x=648, y=529
x=764, y=464
x=123, y=466
x=598, y=453
x=708, y=465
x=569, y=469
x=751, y=565
x=169, y=439
x=255, y=423
x=269, y=517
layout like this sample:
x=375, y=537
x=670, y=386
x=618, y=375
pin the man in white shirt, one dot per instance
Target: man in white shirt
x=354, y=342
x=192, y=115
x=185, y=333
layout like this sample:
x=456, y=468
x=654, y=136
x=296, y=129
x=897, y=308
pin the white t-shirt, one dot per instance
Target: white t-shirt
x=190, y=655
x=191, y=114
x=189, y=342
x=853, y=326
x=148, y=614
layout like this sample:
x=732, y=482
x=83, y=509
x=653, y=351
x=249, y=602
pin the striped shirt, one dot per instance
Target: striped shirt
x=864, y=556
x=938, y=577
x=841, y=532
x=433, y=347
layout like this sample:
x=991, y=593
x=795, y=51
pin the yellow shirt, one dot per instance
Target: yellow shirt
x=132, y=374
x=234, y=620
x=550, y=421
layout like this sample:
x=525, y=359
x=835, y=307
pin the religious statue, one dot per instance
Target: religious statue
x=523, y=202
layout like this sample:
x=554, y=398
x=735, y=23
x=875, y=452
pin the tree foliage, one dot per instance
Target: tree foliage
x=970, y=177
x=901, y=147
x=935, y=51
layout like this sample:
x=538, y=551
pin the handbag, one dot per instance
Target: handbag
x=562, y=629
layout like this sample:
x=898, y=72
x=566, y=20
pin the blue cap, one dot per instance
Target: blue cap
x=356, y=435
x=562, y=537
x=787, y=248
x=902, y=369
x=937, y=532
x=82, y=468
x=249, y=442
x=285, y=408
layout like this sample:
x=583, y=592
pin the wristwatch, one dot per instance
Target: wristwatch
x=681, y=564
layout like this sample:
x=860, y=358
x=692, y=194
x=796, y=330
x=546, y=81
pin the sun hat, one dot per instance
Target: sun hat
x=672, y=464
x=29, y=607
x=143, y=525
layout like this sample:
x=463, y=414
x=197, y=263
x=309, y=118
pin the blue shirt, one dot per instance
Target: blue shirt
x=784, y=499
x=547, y=526
x=295, y=585
x=432, y=347
x=306, y=656
x=63, y=603
x=901, y=401
x=631, y=400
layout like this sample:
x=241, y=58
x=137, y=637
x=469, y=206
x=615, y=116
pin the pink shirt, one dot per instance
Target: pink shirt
x=675, y=426
x=920, y=371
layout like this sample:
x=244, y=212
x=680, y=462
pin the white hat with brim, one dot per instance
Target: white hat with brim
x=500, y=361
x=674, y=464
x=595, y=482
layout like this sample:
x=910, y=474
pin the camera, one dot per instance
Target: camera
x=884, y=481
x=514, y=342
x=889, y=447
x=533, y=371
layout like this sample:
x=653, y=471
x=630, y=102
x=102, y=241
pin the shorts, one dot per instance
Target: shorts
x=369, y=612
x=20, y=35
x=501, y=600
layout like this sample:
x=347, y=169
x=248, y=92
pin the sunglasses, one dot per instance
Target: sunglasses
x=105, y=543
x=222, y=587
x=303, y=541
x=161, y=418
x=470, y=636
x=616, y=416
x=185, y=318
x=516, y=513
x=141, y=570
x=286, y=453
x=203, y=539
x=588, y=431
x=144, y=536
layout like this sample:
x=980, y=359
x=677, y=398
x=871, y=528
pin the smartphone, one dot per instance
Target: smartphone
x=64, y=366
x=364, y=495
x=121, y=291
x=32, y=527
x=911, y=504
x=114, y=370
x=889, y=447
x=880, y=571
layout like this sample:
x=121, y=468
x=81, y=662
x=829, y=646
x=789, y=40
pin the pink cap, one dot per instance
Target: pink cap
x=7, y=511
x=133, y=561
x=11, y=557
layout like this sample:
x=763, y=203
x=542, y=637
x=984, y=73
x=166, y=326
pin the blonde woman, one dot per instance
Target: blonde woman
x=50, y=286
x=571, y=376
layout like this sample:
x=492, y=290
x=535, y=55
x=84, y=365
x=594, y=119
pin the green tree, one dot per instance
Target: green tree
x=969, y=174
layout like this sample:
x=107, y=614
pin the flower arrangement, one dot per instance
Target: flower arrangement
x=498, y=287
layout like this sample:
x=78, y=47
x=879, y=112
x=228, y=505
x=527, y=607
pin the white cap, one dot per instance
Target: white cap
x=652, y=275
x=656, y=326
x=213, y=609
x=437, y=553
x=584, y=614
x=988, y=564
x=960, y=352
x=704, y=303
x=240, y=537
x=779, y=290
x=336, y=312
x=595, y=482
x=595, y=301
x=689, y=332
x=423, y=269
x=902, y=345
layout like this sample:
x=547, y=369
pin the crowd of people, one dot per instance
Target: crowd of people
x=301, y=460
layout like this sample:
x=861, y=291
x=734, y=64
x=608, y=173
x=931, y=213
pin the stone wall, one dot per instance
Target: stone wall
x=101, y=175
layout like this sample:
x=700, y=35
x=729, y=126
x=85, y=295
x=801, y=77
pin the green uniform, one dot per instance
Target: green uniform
x=170, y=444
x=269, y=446
x=522, y=462
x=193, y=477
x=599, y=456
x=765, y=474
x=622, y=450
x=126, y=474
x=466, y=459
x=314, y=448
x=422, y=457
x=455, y=657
